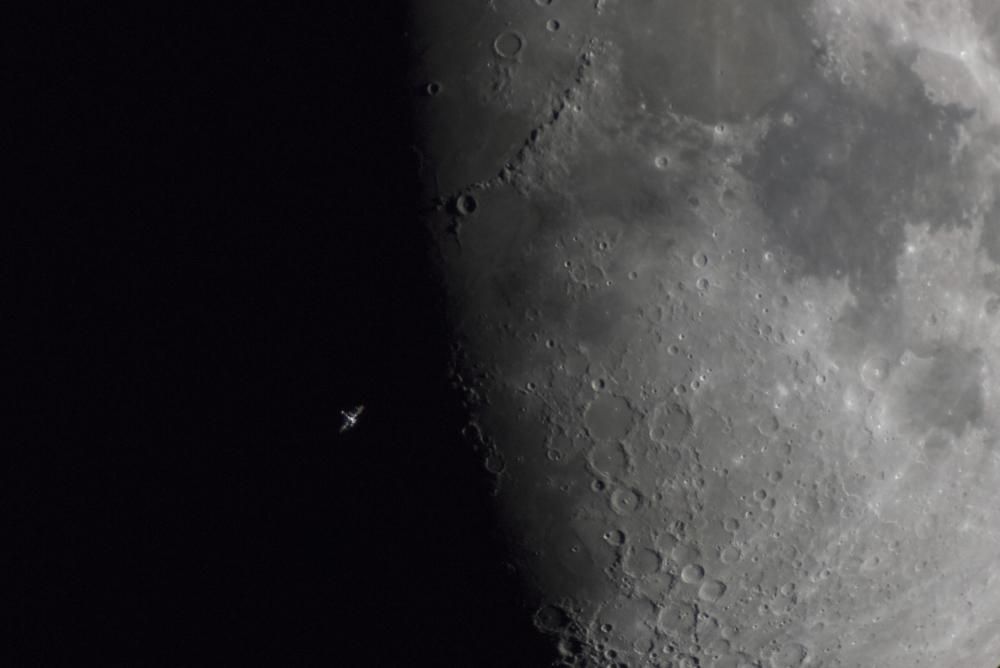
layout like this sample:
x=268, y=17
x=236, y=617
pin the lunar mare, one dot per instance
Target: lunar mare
x=728, y=301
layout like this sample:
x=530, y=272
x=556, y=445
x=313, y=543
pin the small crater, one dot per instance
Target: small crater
x=614, y=537
x=465, y=205
x=609, y=460
x=730, y=555
x=608, y=417
x=692, y=573
x=711, y=591
x=768, y=425
x=508, y=44
x=676, y=619
x=551, y=619
x=669, y=423
x=875, y=371
x=642, y=561
x=791, y=655
x=625, y=501
x=494, y=463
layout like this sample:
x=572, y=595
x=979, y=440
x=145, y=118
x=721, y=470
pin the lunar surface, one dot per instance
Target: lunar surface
x=725, y=282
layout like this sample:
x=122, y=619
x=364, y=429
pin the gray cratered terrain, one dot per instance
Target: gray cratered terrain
x=726, y=279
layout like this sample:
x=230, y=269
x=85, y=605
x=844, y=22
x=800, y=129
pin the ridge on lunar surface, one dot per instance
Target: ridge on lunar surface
x=729, y=310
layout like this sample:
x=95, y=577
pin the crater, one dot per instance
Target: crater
x=609, y=417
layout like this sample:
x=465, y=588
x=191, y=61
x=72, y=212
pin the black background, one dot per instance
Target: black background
x=217, y=252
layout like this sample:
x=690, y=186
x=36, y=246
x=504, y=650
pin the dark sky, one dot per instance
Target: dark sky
x=216, y=251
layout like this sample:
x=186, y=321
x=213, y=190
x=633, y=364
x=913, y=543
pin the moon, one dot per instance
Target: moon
x=724, y=283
